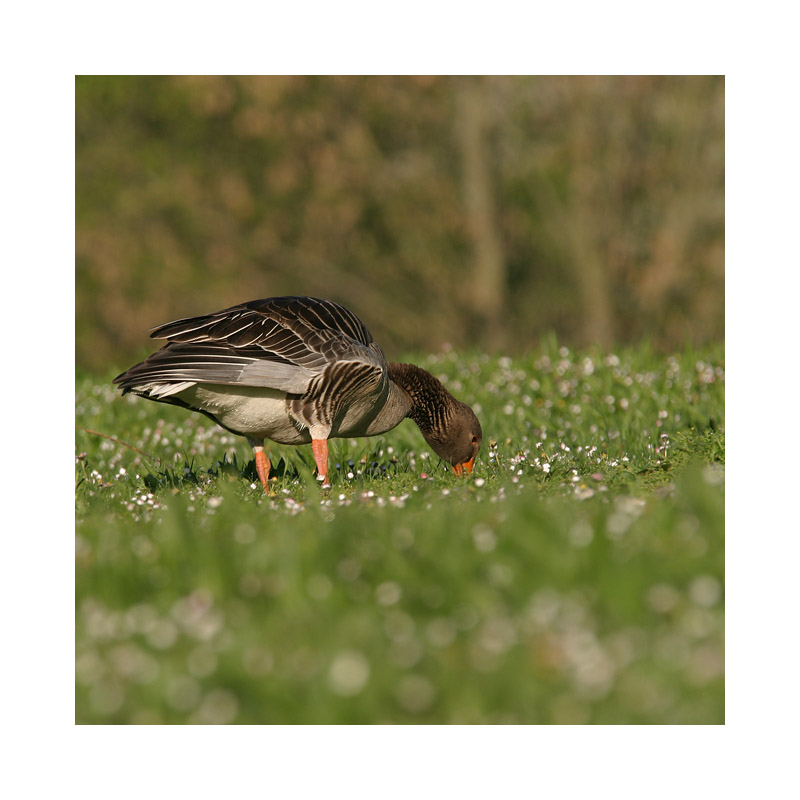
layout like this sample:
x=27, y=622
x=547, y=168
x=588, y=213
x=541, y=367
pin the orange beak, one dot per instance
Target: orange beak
x=465, y=468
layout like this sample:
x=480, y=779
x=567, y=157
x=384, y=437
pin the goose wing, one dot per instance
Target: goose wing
x=283, y=343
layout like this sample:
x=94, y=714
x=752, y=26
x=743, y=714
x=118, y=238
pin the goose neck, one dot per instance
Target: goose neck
x=430, y=401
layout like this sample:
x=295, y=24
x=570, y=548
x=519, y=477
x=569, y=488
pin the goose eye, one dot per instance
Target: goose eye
x=474, y=439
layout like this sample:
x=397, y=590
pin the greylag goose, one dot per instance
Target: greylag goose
x=297, y=370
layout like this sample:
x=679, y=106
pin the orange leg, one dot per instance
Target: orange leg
x=320, y=449
x=262, y=468
x=262, y=462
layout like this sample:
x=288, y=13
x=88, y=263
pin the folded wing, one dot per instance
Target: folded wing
x=283, y=343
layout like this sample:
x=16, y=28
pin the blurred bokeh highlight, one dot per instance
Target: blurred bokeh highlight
x=481, y=212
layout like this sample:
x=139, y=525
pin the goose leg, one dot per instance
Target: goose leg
x=320, y=449
x=262, y=462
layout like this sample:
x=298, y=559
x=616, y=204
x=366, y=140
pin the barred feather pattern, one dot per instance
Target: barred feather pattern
x=331, y=393
x=302, y=330
x=285, y=343
x=431, y=403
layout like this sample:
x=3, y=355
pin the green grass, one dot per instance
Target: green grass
x=575, y=577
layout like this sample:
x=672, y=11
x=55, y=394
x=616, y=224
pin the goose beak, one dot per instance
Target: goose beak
x=465, y=468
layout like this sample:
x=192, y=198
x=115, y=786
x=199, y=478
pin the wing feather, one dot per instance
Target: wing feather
x=282, y=343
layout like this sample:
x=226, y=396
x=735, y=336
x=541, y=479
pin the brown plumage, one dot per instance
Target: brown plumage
x=299, y=370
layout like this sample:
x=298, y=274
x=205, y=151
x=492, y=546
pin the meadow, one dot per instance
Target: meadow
x=576, y=576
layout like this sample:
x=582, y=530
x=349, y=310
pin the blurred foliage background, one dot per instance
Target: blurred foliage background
x=476, y=211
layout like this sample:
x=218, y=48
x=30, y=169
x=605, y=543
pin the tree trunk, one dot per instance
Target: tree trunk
x=487, y=289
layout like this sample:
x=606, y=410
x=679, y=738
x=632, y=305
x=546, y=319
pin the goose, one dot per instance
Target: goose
x=299, y=370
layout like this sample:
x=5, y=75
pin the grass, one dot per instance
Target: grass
x=575, y=577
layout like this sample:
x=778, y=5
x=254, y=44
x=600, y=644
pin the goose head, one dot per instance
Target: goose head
x=457, y=439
